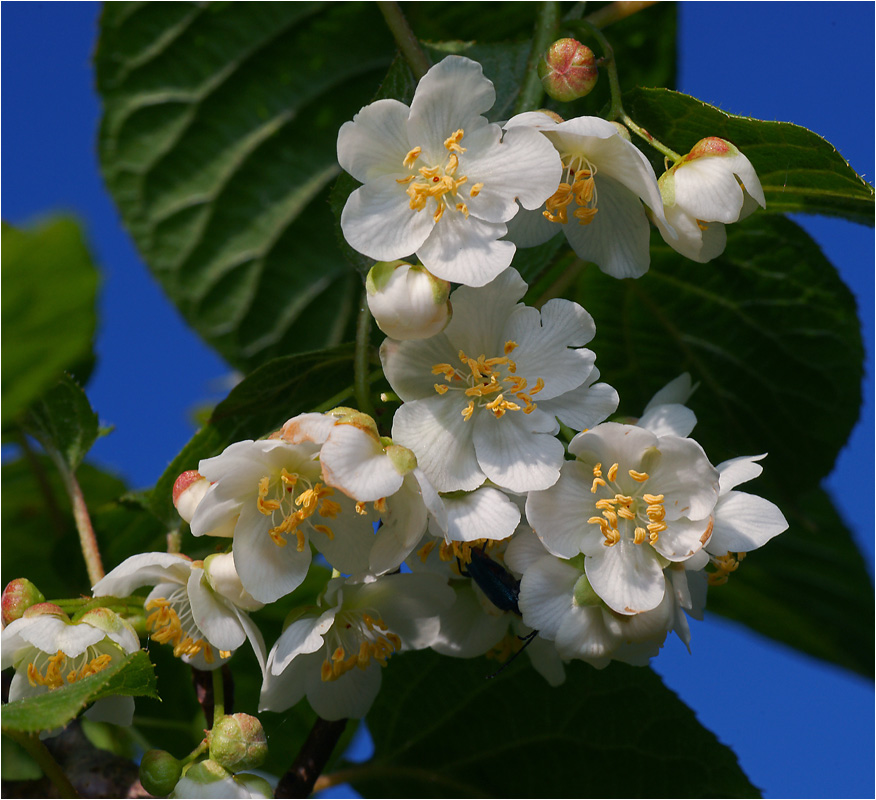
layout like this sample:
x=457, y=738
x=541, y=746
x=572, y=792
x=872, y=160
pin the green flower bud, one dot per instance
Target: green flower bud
x=568, y=70
x=238, y=742
x=159, y=772
x=18, y=596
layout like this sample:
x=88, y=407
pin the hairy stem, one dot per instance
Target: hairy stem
x=87, y=539
x=546, y=25
x=361, y=383
x=616, y=11
x=404, y=38
x=311, y=760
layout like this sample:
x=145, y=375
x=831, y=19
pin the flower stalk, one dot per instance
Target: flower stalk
x=547, y=23
x=38, y=751
x=404, y=38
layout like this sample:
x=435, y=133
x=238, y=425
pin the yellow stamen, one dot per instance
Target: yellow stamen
x=612, y=471
x=476, y=190
x=452, y=142
x=441, y=388
x=641, y=477
x=412, y=156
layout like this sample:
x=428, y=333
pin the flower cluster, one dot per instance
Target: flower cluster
x=485, y=524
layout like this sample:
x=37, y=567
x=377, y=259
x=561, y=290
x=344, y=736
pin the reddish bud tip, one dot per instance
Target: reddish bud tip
x=568, y=70
x=18, y=596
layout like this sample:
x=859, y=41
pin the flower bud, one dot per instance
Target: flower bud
x=159, y=772
x=622, y=131
x=568, y=70
x=407, y=301
x=188, y=490
x=238, y=742
x=18, y=596
x=223, y=577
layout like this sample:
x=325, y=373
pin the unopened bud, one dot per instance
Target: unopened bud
x=622, y=130
x=238, y=742
x=407, y=301
x=188, y=490
x=159, y=772
x=18, y=596
x=568, y=70
x=45, y=609
x=222, y=576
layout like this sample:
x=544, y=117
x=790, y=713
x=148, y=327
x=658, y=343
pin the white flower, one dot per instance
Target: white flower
x=556, y=599
x=332, y=653
x=439, y=179
x=196, y=606
x=598, y=204
x=710, y=187
x=631, y=502
x=48, y=652
x=407, y=301
x=207, y=779
x=482, y=398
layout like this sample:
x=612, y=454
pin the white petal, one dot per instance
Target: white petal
x=618, y=238
x=267, y=571
x=441, y=439
x=525, y=166
x=628, y=577
x=546, y=593
x=523, y=551
x=683, y=538
x=311, y=427
x=51, y=634
x=378, y=221
x=408, y=365
x=610, y=442
x=284, y=690
x=479, y=315
x=349, y=549
x=707, y=189
x=678, y=390
x=684, y=475
x=404, y=523
x=355, y=462
x=671, y=419
x=466, y=629
x=531, y=228
x=301, y=637
x=559, y=515
x=350, y=696
x=744, y=522
x=466, y=251
x=518, y=451
x=738, y=470
x=551, y=346
x=145, y=569
x=451, y=95
x=376, y=141
x=216, y=620
x=485, y=513
x=584, y=407
x=588, y=633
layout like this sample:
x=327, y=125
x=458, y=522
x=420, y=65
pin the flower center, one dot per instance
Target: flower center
x=46, y=670
x=723, y=565
x=362, y=634
x=290, y=500
x=624, y=512
x=171, y=622
x=578, y=184
x=485, y=382
x=438, y=181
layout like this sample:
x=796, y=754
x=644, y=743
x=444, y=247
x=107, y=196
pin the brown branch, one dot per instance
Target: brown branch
x=314, y=755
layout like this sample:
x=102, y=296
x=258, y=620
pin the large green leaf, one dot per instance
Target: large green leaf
x=441, y=729
x=771, y=334
x=799, y=171
x=49, y=288
x=132, y=676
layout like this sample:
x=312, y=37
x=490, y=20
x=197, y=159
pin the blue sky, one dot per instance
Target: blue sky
x=799, y=727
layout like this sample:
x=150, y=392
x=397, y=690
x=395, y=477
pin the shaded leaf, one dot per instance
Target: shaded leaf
x=132, y=676
x=49, y=288
x=63, y=422
x=515, y=735
x=799, y=171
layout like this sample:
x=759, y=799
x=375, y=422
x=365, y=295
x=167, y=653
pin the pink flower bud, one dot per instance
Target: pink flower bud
x=188, y=490
x=568, y=70
x=18, y=596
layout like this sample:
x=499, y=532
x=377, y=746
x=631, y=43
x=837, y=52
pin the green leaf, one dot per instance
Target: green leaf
x=258, y=405
x=799, y=171
x=771, y=334
x=48, y=310
x=218, y=142
x=809, y=588
x=16, y=763
x=515, y=735
x=63, y=422
x=132, y=676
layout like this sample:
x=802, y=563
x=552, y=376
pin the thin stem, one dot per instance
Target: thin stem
x=361, y=383
x=614, y=12
x=404, y=38
x=40, y=753
x=616, y=110
x=42, y=480
x=218, y=695
x=87, y=539
x=546, y=27
x=311, y=760
x=201, y=748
